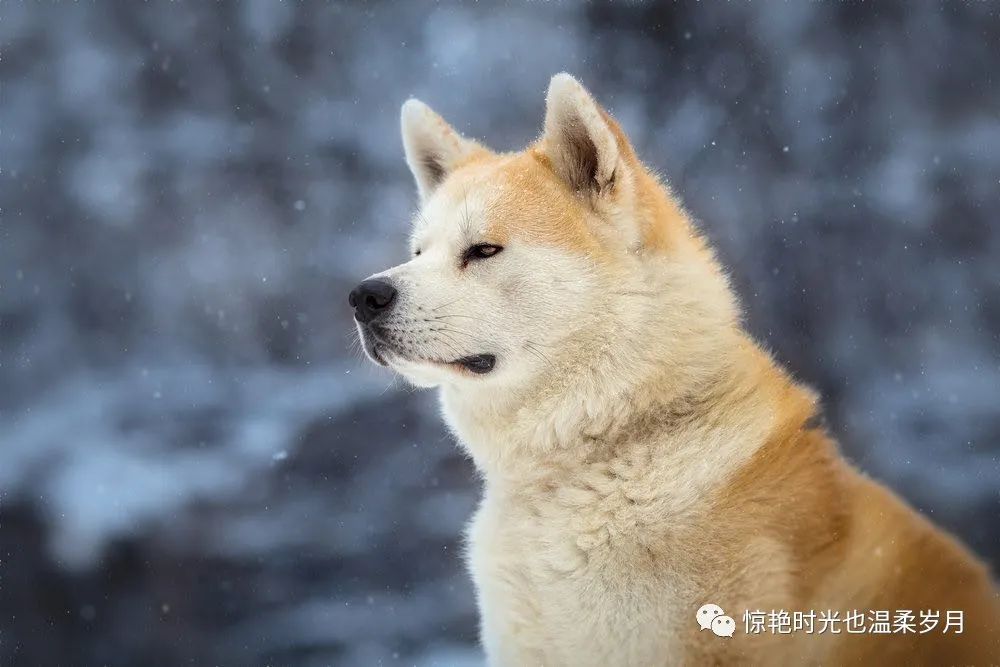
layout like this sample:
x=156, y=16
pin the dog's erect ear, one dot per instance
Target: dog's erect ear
x=579, y=138
x=433, y=148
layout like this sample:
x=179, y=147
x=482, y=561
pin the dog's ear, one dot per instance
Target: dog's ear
x=580, y=138
x=433, y=148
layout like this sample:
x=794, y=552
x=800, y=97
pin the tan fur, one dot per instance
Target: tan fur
x=641, y=455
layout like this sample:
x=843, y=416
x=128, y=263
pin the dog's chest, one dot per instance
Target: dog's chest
x=568, y=580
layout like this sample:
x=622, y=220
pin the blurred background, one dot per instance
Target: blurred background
x=197, y=467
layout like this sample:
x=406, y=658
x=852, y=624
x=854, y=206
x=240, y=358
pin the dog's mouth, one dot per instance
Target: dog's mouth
x=480, y=364
x=383, y=352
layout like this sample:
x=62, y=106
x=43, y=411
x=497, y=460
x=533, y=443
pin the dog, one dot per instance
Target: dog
x=643, y=460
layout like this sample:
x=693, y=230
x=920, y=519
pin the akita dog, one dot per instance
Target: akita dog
x=642, y=457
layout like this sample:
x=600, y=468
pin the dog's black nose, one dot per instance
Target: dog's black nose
x=371, y=298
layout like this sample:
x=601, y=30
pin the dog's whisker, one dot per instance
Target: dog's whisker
x=445, y=305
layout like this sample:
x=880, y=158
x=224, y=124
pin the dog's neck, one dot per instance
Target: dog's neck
x=600, y=412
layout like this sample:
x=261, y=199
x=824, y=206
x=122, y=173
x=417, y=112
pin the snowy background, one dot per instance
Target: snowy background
x=195, y=465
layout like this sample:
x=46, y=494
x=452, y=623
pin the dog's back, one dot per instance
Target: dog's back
x=842, y=544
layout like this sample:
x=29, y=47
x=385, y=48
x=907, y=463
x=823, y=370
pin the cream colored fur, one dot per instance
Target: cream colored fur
x=640, y=455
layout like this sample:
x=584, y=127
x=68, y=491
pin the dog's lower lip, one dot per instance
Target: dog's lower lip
x=478, y=363
x=374, y=347
x=376, y=352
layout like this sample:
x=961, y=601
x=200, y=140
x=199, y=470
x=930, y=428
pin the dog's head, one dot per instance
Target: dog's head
x=520, y=259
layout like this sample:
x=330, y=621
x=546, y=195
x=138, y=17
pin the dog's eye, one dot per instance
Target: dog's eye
x=416, y=253
x=480, y=251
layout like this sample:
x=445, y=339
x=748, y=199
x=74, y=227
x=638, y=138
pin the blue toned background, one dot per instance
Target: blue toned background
x=196, y=466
